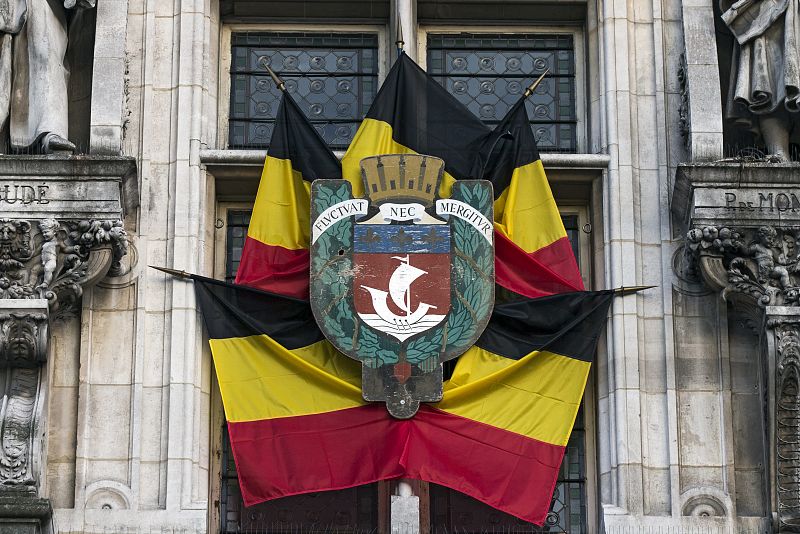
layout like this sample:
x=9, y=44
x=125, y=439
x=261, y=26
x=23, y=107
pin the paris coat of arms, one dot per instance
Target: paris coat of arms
x=402, y=280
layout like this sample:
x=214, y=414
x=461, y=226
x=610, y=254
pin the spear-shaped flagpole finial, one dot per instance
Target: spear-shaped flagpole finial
x=399, y=42
x=277, y=79
x=622, y=291
x=173, y=272
x=532, y=87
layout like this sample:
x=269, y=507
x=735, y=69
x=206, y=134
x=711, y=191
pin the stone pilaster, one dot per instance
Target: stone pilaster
x=61, y=231
x=743, y=240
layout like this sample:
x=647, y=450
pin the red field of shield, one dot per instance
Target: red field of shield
x=409, y=285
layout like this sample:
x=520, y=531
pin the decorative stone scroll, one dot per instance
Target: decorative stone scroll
x=44, y=266
x=787, y=424
x=761, y=263
x=23, y=351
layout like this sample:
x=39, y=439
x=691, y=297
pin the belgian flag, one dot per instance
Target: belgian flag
x=412, y=113
x=275, y=254
x=298, y=424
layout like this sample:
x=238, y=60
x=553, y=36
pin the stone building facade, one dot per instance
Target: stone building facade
x=111, y=418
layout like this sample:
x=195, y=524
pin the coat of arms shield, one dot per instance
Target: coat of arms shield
x=402, y=280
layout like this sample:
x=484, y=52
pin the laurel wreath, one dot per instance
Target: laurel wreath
x=472, y=267
x=333, y=270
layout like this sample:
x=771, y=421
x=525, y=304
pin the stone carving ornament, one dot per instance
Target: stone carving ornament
x=760, y=263
x=44, y=266
x=787, y=425
x=33, y=77
x=764, y=91
x=756, y=268
x=58, y=260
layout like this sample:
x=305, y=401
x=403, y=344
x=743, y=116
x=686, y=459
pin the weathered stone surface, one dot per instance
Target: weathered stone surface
x=737, y=193
x=67, y=187
x=744, y=222
x=21, y=514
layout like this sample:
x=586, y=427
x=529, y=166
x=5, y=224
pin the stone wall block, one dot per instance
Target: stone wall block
x=108, y=427
x=108, y=81
x=697, y=21
x=111, y=360
x=705, y=146
x=699, y=429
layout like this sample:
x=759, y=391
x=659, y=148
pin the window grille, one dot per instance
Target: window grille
x=450, y=511
x=332, y=76
x=488, y=73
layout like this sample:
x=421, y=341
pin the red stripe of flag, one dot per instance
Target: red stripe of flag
x=336, y=450
x=274, y=268
x=547, y=271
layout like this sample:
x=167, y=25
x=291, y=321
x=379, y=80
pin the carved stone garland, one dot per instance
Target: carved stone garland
x=759, y=270
x=44, y=267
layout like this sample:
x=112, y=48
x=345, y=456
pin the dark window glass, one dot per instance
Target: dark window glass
x=571, y=226
x=332, y=76
x=237, y=224
x=450, y=510
x=489, y=73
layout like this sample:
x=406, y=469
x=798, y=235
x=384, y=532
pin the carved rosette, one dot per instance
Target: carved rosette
x=55, y=260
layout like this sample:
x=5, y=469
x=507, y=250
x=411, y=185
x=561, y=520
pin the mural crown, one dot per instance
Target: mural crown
x=407, y=176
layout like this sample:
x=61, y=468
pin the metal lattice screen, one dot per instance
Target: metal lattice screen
x=450, y=510
x=332, y=76
x=488, y=73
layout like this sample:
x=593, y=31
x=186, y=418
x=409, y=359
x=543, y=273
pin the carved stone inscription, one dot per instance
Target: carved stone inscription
x=27, y=197
x=746, y=202
x=24, y=194
x=769, y=201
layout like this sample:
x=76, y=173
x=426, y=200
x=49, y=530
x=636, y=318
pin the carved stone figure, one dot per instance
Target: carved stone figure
x=760, y=263
x=771, y=264
x=764, y=93
x=56, y=264
x=33, y=75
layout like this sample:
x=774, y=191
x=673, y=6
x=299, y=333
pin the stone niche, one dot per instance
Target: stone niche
x=741, y=223
x=61, y=231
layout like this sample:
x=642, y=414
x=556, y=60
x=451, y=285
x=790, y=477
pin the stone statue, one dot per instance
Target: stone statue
x=764, y=93
x=33, y=75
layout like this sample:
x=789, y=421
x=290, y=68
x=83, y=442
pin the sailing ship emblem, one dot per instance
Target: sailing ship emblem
x=410, y=323
x=402, y=280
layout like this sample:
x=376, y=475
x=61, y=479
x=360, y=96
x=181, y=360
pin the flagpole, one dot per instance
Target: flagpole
x=399, y=42
x=174, y=272
x=532, y=87
x=277, y=79
x=629, y=290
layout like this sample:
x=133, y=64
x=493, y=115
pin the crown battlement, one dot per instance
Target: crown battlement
x=409, y=176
